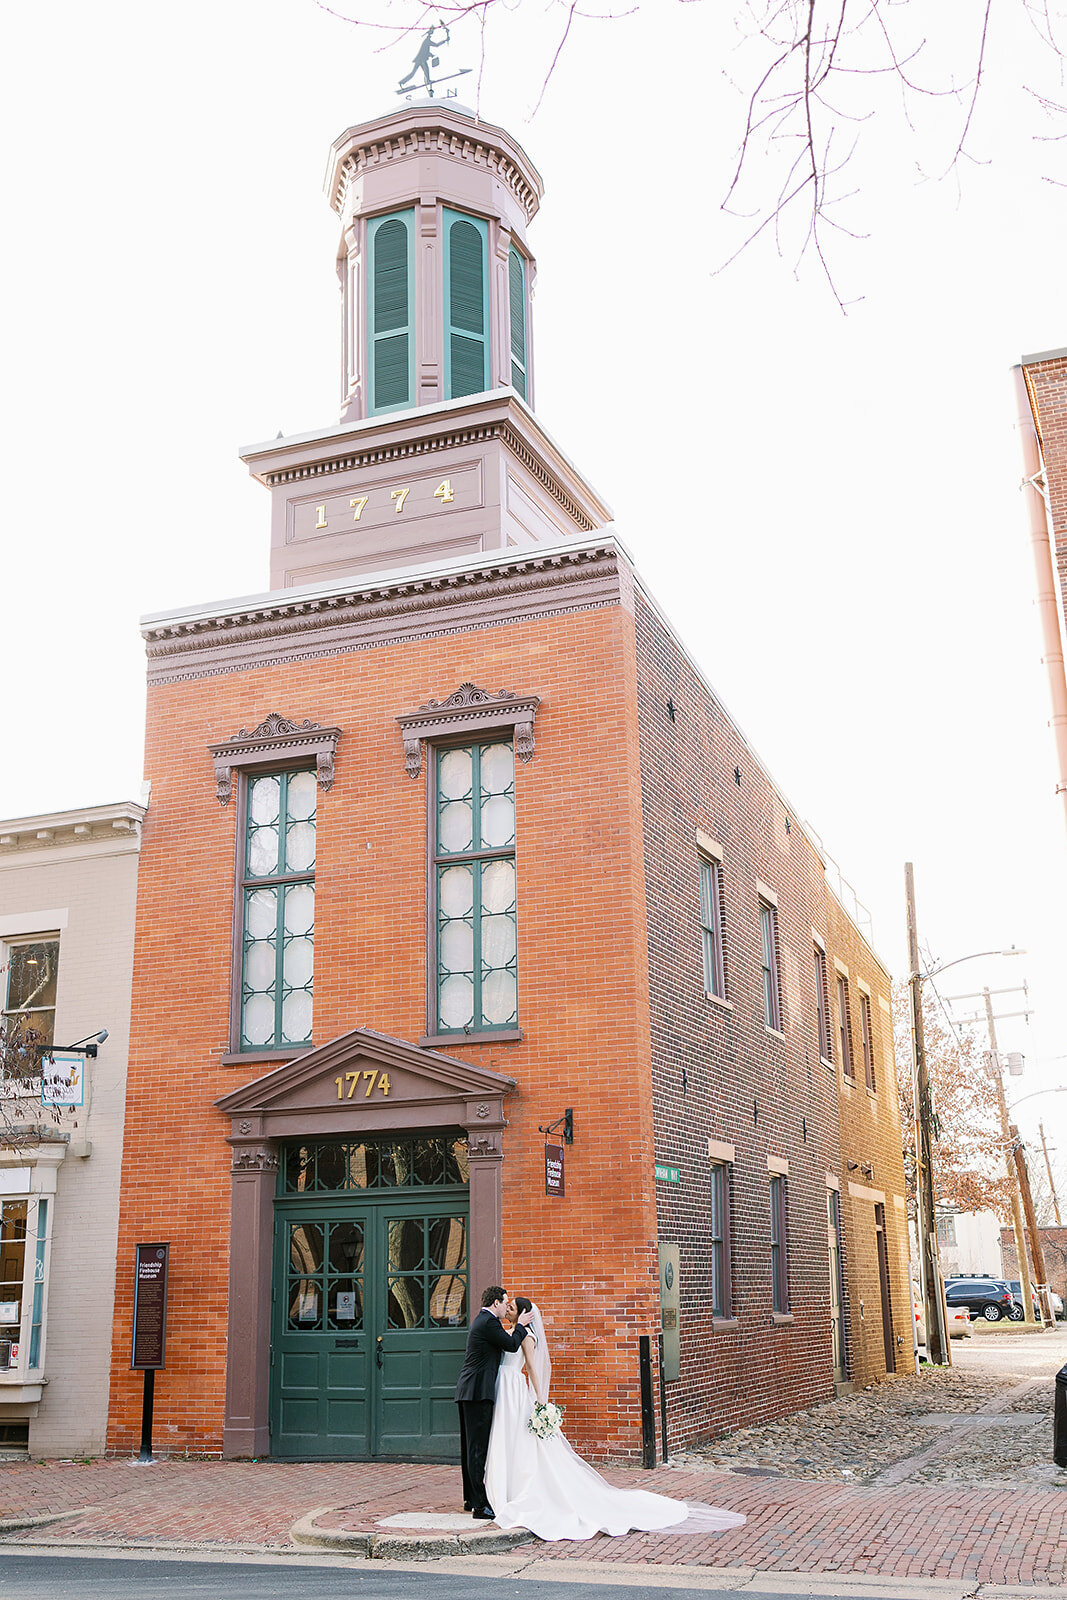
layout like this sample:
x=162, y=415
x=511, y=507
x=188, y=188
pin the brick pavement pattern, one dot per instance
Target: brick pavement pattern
x=946, y=1531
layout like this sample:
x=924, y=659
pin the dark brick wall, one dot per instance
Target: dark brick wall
x=718, y=1072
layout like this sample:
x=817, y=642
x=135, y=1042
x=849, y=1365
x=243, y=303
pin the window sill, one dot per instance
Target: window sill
x=847, y=1082
x=782, y=1319
x=775, y=1033
x=872, y=1094
x=718, y=1000
x=434, y=1041
x=236, y=1058
x=828, y=1064
x=725, y=1324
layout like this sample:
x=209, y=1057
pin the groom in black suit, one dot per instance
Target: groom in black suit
x=476, y=1389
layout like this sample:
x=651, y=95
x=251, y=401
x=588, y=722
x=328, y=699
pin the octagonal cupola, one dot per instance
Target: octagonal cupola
x=435, y=271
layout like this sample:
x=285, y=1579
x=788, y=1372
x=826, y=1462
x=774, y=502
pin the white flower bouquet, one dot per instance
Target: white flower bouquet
x=547, y=1419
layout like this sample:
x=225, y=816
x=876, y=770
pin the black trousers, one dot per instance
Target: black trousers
x=475, y=1421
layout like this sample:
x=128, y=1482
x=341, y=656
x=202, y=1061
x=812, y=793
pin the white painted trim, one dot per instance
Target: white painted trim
x=708, y=845
x=21, y=922
x=766, y=894
x=778, y=1164
x=864, y=988
x=818, y=939
x=717, y=1151
x=833, y=1182
x=840, y=968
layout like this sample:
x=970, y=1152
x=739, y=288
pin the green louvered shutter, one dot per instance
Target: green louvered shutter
x=391, y=339
x=517, y=298
x=467, y=305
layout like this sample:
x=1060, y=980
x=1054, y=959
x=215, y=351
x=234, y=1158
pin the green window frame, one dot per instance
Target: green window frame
x=277, y=885
x=390, y=312
x=474, y=882
x=517, y=313
x=466, y=284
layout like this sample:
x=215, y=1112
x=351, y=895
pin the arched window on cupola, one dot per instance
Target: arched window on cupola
x=390, y=318
x=517, y=300
x=466, y=305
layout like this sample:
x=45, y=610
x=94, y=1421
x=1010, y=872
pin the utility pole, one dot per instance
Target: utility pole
x=1051, y=1179
x=1037, y=1249
x=937, y=1345
x=1013, y=1177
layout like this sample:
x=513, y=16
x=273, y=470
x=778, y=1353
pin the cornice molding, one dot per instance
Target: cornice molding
x=436, y=138
x=469, y=709
x=117, y=825
x=376, y=455
x=362, y=617
x=276, y=739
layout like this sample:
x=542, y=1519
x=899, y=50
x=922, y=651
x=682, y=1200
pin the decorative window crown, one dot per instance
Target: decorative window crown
x=278, y=741
x=469, y=710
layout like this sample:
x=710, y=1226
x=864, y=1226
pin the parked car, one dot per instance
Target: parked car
x=982, y=1297
x=959, y=1318
x=1015, y=1285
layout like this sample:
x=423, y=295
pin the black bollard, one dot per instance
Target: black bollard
x=1059, y=1420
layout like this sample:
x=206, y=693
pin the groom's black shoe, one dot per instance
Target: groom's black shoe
x=483, y=1514
x=467, y=1505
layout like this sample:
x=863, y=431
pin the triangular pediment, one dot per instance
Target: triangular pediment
x=349, y=1072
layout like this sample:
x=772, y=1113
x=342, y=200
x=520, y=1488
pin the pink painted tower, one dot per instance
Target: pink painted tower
x=438, y=453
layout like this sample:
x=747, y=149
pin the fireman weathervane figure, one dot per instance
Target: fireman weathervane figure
x=426, y=59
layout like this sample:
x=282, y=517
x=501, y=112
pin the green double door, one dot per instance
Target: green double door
x=370, y=1319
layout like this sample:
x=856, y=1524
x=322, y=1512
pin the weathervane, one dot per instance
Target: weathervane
x=427, y=59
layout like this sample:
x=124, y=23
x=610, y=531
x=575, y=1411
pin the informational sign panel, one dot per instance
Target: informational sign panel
x=670, y=1307
x=150, y=1306
x=62, y=1081
x=667, y=1174
x=554, y=1183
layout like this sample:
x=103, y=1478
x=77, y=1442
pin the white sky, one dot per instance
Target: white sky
x=827, y=506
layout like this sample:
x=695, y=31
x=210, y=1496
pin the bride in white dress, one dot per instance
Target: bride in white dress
x=541, y=1484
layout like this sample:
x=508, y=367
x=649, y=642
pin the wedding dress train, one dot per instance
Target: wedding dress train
x=543, y=1485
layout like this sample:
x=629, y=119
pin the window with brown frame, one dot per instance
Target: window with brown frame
x=772, y=989
x=867, y=1036
x=822, y=1005
x=848, y=1065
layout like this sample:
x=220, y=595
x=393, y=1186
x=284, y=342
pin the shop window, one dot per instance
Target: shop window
x=23, y=1239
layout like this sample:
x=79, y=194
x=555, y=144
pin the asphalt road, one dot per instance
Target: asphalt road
x=46, y=1577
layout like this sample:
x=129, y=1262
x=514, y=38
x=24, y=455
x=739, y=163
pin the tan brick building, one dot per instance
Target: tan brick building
x=450, y=838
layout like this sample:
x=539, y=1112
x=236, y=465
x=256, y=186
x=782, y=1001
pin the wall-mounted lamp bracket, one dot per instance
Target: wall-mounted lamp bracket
x=567, y=1122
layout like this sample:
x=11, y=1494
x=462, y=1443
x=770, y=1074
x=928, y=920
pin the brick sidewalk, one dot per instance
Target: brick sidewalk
x=930, y=1531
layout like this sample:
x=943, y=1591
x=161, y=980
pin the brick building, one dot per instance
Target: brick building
x=449, y=838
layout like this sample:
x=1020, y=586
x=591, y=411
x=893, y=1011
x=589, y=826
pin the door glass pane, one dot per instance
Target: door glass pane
x=346, y=1248
x=344, y=1305
x=305, y=1247
x=406, y=1302
x=406, y=1245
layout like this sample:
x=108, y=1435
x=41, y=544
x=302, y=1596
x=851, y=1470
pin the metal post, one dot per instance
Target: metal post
x=1013, y=1181
x=1051, y=1179
x=662, y=1402
x=146, y=1414
x=937, y=1345
x=1036, y=1248
x=648, y=1415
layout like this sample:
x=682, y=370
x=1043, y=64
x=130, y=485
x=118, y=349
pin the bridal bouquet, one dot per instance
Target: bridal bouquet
x=547, y=1419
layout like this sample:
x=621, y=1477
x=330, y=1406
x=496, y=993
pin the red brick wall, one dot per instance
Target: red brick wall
x=590, y=1258
x=1048, y=387
x=717, y=1072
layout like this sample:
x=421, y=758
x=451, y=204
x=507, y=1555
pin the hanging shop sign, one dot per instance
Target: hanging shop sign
x=554, y=1180
x=63, y=1081
x=150, y=1306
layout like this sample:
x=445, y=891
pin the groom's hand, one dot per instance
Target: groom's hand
x=524, y=1319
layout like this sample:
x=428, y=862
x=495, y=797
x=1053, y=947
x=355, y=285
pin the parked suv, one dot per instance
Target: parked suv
x=984, y=1297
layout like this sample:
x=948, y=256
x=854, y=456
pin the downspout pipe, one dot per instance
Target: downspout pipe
x=1048, y=605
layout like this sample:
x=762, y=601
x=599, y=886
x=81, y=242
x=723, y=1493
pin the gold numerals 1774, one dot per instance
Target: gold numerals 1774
x=350, y=1080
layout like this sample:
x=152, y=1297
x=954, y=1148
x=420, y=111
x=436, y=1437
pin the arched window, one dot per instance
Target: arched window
x=466, y=305
x=390, y=318
x=517, y=300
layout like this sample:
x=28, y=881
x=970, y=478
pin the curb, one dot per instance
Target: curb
x=14, y=1524
x=405, y=1546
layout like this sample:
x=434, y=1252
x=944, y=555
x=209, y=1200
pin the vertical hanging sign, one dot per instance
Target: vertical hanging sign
x=150, y=1306
x=554, y=1183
